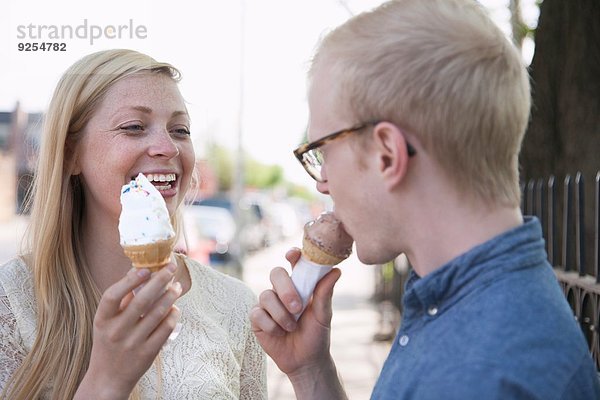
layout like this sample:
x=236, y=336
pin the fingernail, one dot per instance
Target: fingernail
x=290, y=326
x=142, y=273
x=171, y=267
x=176, y=331
x=177, y=287
x=294, y=306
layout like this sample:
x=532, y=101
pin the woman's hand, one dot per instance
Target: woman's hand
x=129, y=331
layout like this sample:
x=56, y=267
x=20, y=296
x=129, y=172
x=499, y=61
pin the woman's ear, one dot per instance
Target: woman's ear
x=72, y=157
x=392, y=153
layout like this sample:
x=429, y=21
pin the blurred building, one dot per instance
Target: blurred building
x=209, y=181
x=205, y=184
x=20, y=133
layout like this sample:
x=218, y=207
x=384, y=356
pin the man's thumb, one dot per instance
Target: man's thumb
x=321, y=302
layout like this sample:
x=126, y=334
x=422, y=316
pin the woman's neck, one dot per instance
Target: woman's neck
x=105, y=258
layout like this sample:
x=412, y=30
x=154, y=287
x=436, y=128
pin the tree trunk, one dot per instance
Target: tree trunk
x=563, y=136
x=518, y=27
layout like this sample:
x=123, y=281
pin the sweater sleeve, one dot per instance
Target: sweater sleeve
x=253, y=373
x=12, y=352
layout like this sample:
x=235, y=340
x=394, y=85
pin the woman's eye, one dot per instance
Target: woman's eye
x=182, y=131
x=132, y=128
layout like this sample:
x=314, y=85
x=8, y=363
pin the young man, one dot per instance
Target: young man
x=429, y=103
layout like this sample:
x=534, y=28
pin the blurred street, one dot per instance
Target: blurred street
x=11, y=234
x=355, y=320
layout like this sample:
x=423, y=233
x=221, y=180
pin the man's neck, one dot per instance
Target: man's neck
x=450, y=233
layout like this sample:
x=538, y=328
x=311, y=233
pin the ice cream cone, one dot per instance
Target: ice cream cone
x=325, y=244
x=152, y=255
x=145, y=230
x=317, y=255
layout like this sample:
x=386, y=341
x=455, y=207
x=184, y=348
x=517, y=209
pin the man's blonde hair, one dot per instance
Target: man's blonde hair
x=65, y=293
x=443, y=71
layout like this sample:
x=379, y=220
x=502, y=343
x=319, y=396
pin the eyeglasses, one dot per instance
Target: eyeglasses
x=311, y=156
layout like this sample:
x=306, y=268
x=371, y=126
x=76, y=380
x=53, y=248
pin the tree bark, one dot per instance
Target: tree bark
x=563, y=136
x=517, y=24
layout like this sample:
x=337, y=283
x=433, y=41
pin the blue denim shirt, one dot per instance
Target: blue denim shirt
x=491, y=324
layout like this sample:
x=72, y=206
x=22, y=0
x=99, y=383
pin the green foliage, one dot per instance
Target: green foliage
x=387, y=271
x=300, y=191
x=220, y=160
x=257, y=175
x=262, y=176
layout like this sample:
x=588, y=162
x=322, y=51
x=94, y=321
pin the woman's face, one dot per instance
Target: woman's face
x=141, y=125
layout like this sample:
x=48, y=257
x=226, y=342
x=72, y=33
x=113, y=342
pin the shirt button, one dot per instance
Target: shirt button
x=403, y=340
x=432, y=310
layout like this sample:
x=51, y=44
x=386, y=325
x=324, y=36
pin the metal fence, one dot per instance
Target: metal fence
x=562, y=212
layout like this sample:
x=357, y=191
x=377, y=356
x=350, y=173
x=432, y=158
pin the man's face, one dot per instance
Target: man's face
x=348, y=179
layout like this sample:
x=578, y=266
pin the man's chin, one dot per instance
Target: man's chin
x=372, y=256
x=366, y=258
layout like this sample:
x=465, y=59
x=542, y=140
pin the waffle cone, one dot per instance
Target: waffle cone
x=314, y=253
x=152, y=255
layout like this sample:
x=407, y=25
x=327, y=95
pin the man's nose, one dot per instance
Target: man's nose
x=323, y=187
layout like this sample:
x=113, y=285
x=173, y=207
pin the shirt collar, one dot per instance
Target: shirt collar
x=517, y=248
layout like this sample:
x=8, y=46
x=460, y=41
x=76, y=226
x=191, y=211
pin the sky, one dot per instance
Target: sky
x=243, y=62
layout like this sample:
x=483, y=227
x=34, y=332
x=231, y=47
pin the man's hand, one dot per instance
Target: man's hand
x=300, y=349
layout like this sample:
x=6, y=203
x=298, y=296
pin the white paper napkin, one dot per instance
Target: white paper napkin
x=305, y=276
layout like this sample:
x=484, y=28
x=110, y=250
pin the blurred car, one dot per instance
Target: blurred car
x=265, y=231
x=253, y=233
x=285, y=219
x=210, y=233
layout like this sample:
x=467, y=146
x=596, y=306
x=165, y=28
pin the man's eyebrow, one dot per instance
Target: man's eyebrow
x=178, y=113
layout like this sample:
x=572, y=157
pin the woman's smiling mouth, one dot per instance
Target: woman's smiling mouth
x=162, y=182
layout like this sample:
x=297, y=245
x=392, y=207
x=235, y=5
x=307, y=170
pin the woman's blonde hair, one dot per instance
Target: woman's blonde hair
x=65, y=293
x=442, y=70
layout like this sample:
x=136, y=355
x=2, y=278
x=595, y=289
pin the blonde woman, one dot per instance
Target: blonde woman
x=69, y=324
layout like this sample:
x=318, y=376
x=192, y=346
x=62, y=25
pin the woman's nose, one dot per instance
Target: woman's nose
x=162, y=145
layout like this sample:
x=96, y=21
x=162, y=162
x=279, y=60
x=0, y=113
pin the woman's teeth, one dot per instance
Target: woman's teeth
x=161, y=181
x=161, y=177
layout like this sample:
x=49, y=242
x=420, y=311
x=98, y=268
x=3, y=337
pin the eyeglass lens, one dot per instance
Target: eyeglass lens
x=314, y=160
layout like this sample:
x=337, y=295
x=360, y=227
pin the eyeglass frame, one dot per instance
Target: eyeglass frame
x=301, y=150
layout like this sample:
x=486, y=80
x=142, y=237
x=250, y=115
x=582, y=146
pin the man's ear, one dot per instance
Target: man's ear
x=392, y=153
